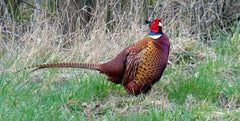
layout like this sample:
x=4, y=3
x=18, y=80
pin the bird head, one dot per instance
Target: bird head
x=155, y=25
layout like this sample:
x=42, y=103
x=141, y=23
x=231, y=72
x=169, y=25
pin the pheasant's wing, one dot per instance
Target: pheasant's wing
x=134, y=61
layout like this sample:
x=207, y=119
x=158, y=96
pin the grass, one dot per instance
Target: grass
x=205, y=90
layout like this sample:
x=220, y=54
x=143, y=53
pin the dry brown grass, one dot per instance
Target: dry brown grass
x=119, y=105
x=184, y=22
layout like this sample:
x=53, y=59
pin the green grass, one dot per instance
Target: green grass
x=193, y=89
x=26, y=98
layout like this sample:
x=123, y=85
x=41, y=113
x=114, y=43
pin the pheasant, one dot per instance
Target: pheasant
x=136, y=67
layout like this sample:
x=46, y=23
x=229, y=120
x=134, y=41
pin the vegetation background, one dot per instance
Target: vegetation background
x=201, y=81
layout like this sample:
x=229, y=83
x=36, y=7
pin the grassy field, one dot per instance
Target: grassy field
x=201, y=81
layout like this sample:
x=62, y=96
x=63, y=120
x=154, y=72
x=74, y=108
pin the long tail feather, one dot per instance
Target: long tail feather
x=64, y=65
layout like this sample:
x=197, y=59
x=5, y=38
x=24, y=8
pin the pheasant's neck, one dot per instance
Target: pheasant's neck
x=155, y=35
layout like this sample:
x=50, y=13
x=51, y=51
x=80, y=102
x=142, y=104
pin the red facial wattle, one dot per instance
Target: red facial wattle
x=154, y=26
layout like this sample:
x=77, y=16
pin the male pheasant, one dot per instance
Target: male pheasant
x=137, y=67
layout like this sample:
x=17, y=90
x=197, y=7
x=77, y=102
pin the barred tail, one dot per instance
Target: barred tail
x=64, y=65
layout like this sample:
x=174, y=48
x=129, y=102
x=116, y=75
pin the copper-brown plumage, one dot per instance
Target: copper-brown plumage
x=137, y=67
